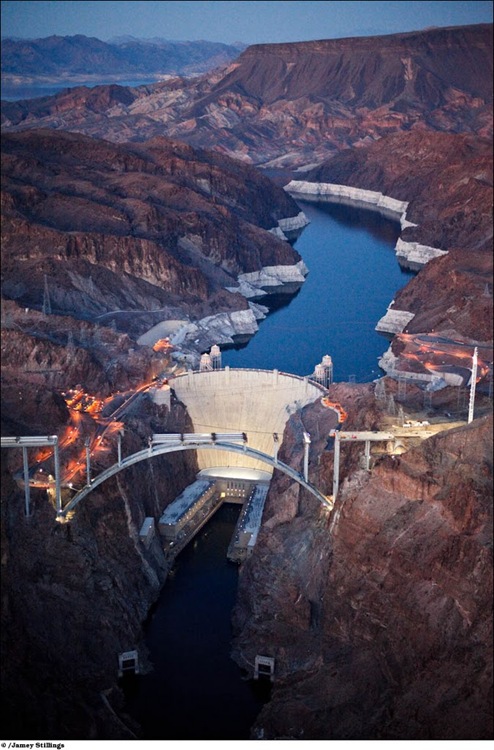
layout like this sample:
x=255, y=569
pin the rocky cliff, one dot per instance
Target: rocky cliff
x=156, y=230
x=445, y=180
x=293, y=105
x=381, y=624
x=74, y=596
x=379, y=616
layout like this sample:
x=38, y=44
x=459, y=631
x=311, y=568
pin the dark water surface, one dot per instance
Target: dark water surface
x=13, y=93
x=353, y=276
x=196, y=691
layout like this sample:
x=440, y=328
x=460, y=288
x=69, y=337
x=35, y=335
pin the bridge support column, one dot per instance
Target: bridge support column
x=58, y=488
x=367, y=455
x=336, y=465
x=88, y=463
x=27, y=496
x=276, y=446
x=119, y=448
x=306, y=455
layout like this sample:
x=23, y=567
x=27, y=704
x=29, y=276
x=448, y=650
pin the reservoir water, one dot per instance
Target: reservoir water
x=195, y=690
x=353, y=276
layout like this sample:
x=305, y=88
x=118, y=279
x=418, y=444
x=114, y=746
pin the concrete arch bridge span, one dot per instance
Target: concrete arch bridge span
x=158, y=449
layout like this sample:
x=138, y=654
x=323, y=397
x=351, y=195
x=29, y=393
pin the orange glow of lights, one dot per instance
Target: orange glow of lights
x=162, y=345
x=342, y=414
x=113, y=428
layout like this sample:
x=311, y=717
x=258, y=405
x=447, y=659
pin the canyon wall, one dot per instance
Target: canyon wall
x=136, y=235
x=76, y=595
x=379, y=615
x=381, y=623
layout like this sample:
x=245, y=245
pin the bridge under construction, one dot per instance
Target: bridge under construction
x=238, y=417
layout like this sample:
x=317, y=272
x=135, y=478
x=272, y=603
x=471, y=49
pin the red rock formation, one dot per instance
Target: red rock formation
x=290, y=105
x=75, y=596
x=445, y=178
x=136, y=228
x=381, y=625
x=380, y=617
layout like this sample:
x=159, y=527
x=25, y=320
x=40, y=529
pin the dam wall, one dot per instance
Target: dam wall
x=257, y=402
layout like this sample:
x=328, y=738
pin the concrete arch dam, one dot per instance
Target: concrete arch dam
x=256, y=402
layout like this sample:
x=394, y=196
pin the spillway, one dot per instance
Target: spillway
x=257, y=402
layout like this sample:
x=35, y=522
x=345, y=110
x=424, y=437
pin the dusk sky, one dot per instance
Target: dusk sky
x=249, y=22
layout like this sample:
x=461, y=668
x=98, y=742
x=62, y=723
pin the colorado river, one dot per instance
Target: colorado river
x=196, y=691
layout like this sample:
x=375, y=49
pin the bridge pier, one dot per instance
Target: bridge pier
x=27, y=497
x=36, y=442
x=364, y=437
x=58, y=487
x=276, y=445
x=367, y=455
x=88, y=463
x=306, y=455
x=336, y=465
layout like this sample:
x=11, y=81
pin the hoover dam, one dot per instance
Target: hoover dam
x=256, y=402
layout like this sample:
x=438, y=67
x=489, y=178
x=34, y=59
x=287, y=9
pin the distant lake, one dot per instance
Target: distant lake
x=13, y=93
x=353, y=276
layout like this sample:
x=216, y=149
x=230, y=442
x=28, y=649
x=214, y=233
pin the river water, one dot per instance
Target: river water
x=196, y=692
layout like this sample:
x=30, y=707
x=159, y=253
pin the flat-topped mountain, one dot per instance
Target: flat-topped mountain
x=293, y=105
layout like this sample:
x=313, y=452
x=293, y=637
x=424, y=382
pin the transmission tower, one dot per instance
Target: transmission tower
x=402, y=387
x=380, y=390
x=427, y=399
x=46, y=298
x=461, y=399
x=391, y=405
